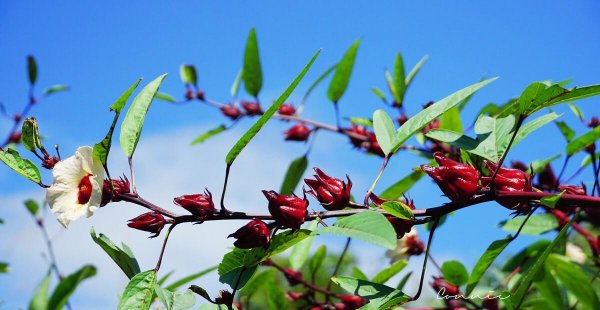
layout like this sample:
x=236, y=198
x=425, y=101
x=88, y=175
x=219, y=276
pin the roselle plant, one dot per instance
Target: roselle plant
x=468, y=166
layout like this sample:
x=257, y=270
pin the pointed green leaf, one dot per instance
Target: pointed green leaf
x=566, y=131
x=55, y=89
x=379, y=295
x=30, y=135
x=548, y=288
x=235, y=87
x=32, y=69
x=39, y=301
x=540, y=95
x=485, y=261
x=121, y=256
x=368, y=226
x=138, y=292
x=403, y=281
x=384, y=275
x=165, y=97
x=398, y=209
x=583, y=141
x=358, y=274
x=411, y=75
x=188, y=74
x=293, y=176
x=455, y=272
x=317, y=259
x=131, y=129
x=20, y=165
x=342, y=74
x=384, y=131
x=399, y=79
x=577, y=111
x=318, y=81
x=451, y=120
x=252, y=72
x=32, y=206
x=379, y=93
x=209, y=134
x=536, y=224
x=574, y=279
x=533, y=125
x=245, y=139
x=552, y=200
x=177, y=284
x=176, y=300
x=67, y=286
x=361, y=121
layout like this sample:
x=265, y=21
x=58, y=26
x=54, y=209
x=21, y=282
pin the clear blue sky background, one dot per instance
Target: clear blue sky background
x=100, y=48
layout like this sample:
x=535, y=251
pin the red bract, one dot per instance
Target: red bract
x=225, y=298
x=352, y=302
x=519, y=165
x=231, y=111
x=189, y=94
x=444, y=288
x=15, y=137
x=547, y=179
x=292, y=276
x=286, y=109
x=360, y=131
x=50, y=161
x=288, y=211
x=200, y=205
x=458, y=181
x=372, y=146
x=401, y=226
x=332, y=193
x=414, y=245
x=252, y=108
x=513, y=180
x=298, y=132
x=152, y=222
x=252, y=235
x=594, y=122
x=200, y=95
x=120, y=187
x=573, y=189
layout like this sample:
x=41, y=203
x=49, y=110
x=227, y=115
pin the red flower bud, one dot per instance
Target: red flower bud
x=252, y=108
x=293, y=296
x=360, y=131
x=519, y=165
x=292, y=276
x=231, y=111
x=594, y=122
x=152, y=222
x=573, y=189
x=15, y=137
x=288, y=211
x=352, y=302
x=298, y=132
x=287, y=109
x=547, y=179
x=189, y=94
x=435, y=124
x=402, y=119
x=513, y=180
x=17, y=117
x=200, y=205
x=458, y=181
x=444, y=288
x=401, y=226
x=49, y=162
x=225, y=298
x=120, y=186
x=372, y=146
x=252, y=235
x=489, y=303
x=414, y=246
x=200, y=95
x=332, y=193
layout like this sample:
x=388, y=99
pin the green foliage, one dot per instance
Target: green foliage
x=566, y=131
x=209, y=134
x=301, y=250
x=384, y=275
x=455, y=272
x=30, y=136
x=379, y=295
x=176, y=300
x=188, y=75
x=580, y=143
x=399, y=80
x=165, y=97
x=574, y=279
x=121, y=256
x=32, y=206
x=368, y=226
x=39, y=301
x=138, y=292
x=131, y=128
x=541, y=95
x=485, y=261
x=235, y=87
x=316, y=261
x=256, y=127
x=385, y=131
x=552, y=200
x=32, y=69
x=67, y=286
x=4, y=267
x=536, y=224
x=293, y=176
x=22, y=166
x=343, y=71
x=398, y=209
x=252, y=72
x=55, y=89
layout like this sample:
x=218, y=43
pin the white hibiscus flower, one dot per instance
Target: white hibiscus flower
x=76, y=187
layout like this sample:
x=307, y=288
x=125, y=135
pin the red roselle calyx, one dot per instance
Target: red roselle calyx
x=360, y=131
x=288, y=211
x=458, y=181
x=512, y=180
x=444, y=288
x=200, y=95
x=252, y=235
x=15, y=137
x=298, y=132
x=292, y=276
x=231, y=111
x=49, y=162
x=573, y=189
x=120, y=186
x=287, y=109
x=200, y=205
x=352, y=302
x=152, y=222
x=332, y=193
x=252, y=108
x=594, y=122
x=547, y=179
x=189, y=94
x=293, y=296
x=401, y=226
x=225, y=298
x=372, y=146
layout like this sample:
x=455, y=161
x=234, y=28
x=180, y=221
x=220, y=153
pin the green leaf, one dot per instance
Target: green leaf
x=552, y=200
x=293, y=176
x=451, y=120
x=39, y=301
x=21, y=166
x=368, y=226
x=379, y=295
x=139, y=291
x=403, y=281
x=574, y=279
x=455, y=272
x=165, y=97
x=411, y=75
x=177, y=284
x=300, y=251
x=30, y=135
x=361, y=121
x=518, y=293
x=317, y=82
x=176, y=300
x=390, y=83
x=257, y=281
x=55, y=89
x=533, y=125
x=387, y=273
x=426, y=116
x=131, y=129
x=399, y=79
x=583, y=141
x=379, y=94
x=398, y=209
x=188, y=75
x=536, y=225
x=245, y=139
x=539, y=165
x=209, y=134
x=540, y=95
x=384, y=131
x=577, y=111
x=122, y=257
x=317, y=259
x=358, y=274
x=235, y=87
x=251, y=72
x=67, y=286
x=397, y=189
x=275, y=296
x=566, y=131
x=485, y=261
x=4, y=267
x=546, y=286
x=342, y=74
x=32, y=206
x=32, y=69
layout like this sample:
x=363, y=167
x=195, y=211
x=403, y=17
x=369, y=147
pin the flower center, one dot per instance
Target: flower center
x=85, y=190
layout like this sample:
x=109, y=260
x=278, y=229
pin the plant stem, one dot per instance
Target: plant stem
x=223, y=209
x=383, y=165
x=512, y=139
x=162, y=250
x=424, y=268
x=339, y=262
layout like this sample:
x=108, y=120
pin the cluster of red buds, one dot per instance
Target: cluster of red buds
x=287, y=109
x=191, y=95
x=368, y=143
x=332, y=193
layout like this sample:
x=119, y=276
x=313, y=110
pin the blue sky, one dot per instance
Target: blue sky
x=100, y=48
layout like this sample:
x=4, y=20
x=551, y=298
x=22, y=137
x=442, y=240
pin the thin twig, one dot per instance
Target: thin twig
x=339, y=262
x=427, y=251
x=383, y=165
x=162, y=250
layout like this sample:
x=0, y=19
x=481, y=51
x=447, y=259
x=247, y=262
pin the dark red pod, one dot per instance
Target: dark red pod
x=458, y=181
x=252, y=235
x=288, y=211
x=512, y=180
x=200, y=205
x=152, y=222
x=287, y=109
x=401, y=226
x=252, y=108
x=298, y=132
x=292, y=276
x=444, y=288
x=352, y=302
x=358, y=130
x=332, y=193
x=573, y=189
x=231, y=111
